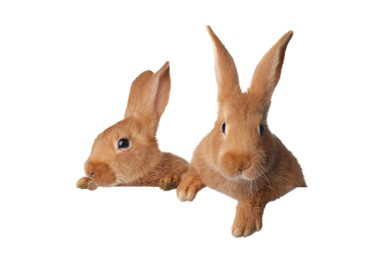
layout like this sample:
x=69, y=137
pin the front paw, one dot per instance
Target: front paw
x=86, y=183
x=169, y=182
x=247, y=221
x=189, y=187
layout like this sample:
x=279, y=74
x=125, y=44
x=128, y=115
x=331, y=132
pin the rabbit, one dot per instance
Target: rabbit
x=240, y=157
x=127, y=153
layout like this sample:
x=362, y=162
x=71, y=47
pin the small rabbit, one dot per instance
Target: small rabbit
x=127, y=153
x=240, y=157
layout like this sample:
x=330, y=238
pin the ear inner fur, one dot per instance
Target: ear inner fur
x=163, y=87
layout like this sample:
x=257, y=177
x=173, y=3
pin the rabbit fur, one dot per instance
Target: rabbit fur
x=127, y=153
x=240, y=157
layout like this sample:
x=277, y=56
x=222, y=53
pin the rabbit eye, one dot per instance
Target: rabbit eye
x=223, y=128
x=262, y=129
x=123, y=143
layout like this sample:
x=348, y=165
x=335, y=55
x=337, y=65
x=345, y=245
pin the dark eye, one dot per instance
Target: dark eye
x=123, y=143
x=262, y=129
x=223, y=128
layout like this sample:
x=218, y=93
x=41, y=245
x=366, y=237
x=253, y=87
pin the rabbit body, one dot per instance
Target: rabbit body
x=240, y=157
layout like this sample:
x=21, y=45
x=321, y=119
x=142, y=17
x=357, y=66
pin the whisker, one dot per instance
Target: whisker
x=249, y=187
x=264, y=176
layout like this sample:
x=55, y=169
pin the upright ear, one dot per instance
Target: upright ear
x=136, y=95
x=267, y=73
x=225, y=70
x=149, y=94
x=161, y=89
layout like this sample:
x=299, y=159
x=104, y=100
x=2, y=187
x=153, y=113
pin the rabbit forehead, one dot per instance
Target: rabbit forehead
x=243, y=109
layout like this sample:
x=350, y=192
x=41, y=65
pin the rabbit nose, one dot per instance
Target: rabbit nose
x=91, y=174
x=244, y=165
x=89, y=170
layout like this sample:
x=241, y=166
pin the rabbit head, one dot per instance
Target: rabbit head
x=127, y=151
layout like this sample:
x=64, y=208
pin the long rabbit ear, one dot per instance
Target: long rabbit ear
x=161, y=89
x=267, y=73
x=225, y=70
x=149, y=94
x=136, y=95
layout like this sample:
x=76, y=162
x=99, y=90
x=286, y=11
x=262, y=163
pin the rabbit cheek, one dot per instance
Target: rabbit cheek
x=101, y=174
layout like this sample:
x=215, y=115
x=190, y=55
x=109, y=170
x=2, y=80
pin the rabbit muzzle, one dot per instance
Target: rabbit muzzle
x=100, y=173
x=234, y=165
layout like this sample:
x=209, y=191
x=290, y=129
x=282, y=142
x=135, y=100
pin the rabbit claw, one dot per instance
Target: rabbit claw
x=86, y=183
x=189, y=187
x=247, y=221
x=169, y=182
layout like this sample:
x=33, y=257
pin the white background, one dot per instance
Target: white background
x=65, y=72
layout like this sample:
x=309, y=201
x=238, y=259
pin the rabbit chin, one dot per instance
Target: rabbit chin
x=249, y=174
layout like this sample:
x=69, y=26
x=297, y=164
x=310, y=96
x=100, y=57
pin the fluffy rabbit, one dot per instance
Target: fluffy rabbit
x=127, y=153
x=240, y=157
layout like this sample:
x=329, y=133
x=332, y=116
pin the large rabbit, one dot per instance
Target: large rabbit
x=127, y=153
x=240, y=157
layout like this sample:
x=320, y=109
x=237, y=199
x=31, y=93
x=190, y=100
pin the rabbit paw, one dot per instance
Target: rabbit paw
x=169, y=182
x=189, y=187
x=247, y=221
x=86, y=183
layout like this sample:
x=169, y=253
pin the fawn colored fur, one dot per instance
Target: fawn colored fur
x=241, y=161
x=142, y=163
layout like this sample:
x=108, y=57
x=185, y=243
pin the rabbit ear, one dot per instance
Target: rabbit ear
x=137, y=96
x=267, y=73
x=149, y=94
x=161, y=89
x=225, y=70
